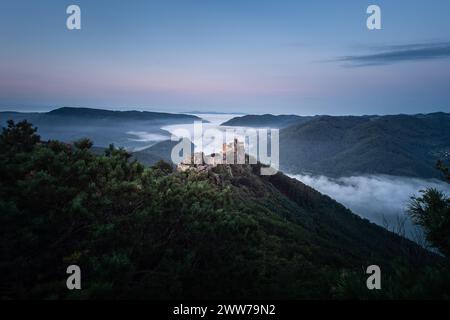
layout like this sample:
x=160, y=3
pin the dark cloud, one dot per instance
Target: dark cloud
x=399, y=53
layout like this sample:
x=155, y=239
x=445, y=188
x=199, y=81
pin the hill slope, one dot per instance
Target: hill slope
x=338, y=146
x=266, y=121
x=159, y=151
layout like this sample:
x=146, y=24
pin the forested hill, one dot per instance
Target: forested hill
x=96, y=114
x=403, y=145
x=149, y=232
x=266, y=121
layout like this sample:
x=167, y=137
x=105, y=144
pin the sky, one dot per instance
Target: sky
x=278, y=56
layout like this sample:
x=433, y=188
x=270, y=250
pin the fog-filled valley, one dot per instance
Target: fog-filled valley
x=382, y=199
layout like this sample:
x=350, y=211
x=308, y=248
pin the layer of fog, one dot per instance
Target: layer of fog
x=201, y=142
x=381, y=199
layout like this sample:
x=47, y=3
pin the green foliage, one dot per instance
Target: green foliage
x=20, y=137
x=163, y=166
x=431, y=211
x=443, y=168
x=402, y=282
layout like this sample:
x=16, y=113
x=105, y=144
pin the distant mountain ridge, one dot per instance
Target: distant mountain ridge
x=266, y=120
x=103, y=113
x=125, y=115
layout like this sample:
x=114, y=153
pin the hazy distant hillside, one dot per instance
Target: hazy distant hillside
x=338, y=146
x=266, y=120
x=96, y=114
x=129, y=129
x=159, y=151
x=119, y=115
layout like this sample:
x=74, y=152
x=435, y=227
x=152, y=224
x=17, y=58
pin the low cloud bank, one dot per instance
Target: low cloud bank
x=380, y=198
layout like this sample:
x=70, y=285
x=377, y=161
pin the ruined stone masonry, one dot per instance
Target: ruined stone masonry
x=231, y=153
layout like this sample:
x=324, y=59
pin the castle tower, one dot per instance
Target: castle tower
x=235, y=151
x=224, y=152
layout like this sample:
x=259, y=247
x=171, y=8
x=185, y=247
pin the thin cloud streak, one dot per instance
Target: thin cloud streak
x=399, y=53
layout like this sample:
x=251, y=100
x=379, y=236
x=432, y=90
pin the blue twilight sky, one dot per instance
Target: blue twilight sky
x=253, y=56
